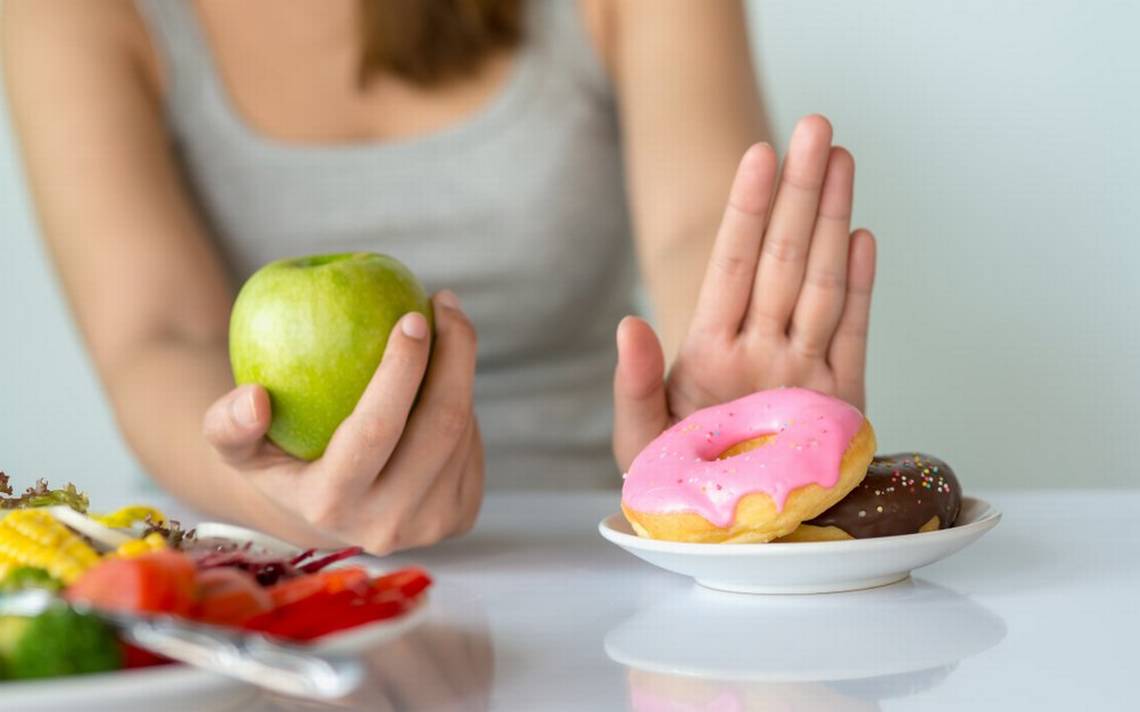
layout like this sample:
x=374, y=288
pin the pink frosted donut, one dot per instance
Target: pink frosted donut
x=748, y=470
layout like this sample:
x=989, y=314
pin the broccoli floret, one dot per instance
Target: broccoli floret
x=11, y=630
x=57, y=642
x=25, y=577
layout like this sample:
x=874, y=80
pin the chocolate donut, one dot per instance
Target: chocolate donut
x=901, y=494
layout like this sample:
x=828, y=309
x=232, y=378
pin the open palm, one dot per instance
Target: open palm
x=785, y=300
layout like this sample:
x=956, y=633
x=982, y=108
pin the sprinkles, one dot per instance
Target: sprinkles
x=899, y=495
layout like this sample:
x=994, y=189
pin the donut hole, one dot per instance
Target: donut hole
x=746, y=446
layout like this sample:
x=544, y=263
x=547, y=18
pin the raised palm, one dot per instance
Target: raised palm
x=785, y=300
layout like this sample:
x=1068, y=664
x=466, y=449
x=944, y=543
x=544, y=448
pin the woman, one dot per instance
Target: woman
x=504, y=151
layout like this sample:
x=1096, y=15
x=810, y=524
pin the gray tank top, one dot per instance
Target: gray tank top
x=520, y=209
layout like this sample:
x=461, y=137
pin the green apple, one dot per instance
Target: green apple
x=312, y=330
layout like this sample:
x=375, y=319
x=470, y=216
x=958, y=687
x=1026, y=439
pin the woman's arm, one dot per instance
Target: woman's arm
x=148, y=292
x=780, y=294
x=152, y=300
x=689, y=108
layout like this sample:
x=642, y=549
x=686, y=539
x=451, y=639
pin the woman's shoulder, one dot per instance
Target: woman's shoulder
x=43, y=36
x=597, y=19
x=576, y=38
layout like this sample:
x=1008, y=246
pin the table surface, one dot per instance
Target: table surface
x=535, y=611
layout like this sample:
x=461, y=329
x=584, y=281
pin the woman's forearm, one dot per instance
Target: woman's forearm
x=160, y=394
x=149, y=290
x=687, y=116
x=673, y=270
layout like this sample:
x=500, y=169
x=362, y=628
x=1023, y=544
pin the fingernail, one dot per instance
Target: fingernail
x=414, y=325
x=448, y=298
x=622, y=326
x=243, y=411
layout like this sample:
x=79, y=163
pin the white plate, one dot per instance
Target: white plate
x=232, y=532
x=181, y=687
x=806, y=567
x=177, y=687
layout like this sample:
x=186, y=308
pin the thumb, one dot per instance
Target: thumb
x=641, y=411
x=236, y=423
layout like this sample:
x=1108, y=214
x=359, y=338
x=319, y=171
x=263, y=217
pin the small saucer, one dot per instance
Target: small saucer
x=806, y=567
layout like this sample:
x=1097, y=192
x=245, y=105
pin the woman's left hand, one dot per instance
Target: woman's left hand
x=785, y=299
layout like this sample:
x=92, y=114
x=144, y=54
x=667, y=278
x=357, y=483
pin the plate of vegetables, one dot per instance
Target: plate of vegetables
x=137, y=561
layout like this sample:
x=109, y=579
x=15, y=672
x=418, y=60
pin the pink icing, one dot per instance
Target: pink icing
x=679, y=472
x=642, y=699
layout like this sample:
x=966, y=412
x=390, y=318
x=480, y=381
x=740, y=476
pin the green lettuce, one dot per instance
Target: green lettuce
x=40, y=495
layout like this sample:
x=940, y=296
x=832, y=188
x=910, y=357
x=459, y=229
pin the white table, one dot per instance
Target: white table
x=530, y=609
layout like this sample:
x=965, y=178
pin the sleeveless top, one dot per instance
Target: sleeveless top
x=520, y=209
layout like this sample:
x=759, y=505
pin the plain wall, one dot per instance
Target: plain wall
x=998, y=164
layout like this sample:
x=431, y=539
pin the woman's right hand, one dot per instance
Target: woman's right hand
x=393, y=476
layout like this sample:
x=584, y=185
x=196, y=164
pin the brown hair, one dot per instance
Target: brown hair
x=432, y=41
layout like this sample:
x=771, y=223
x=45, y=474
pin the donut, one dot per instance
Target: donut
x=749, y=470
x=903, y=493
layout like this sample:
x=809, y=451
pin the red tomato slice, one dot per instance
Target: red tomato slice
x=313, y=606
x=331, y=581
x=350, y=577
x=159, y=582
x=324, y=613
x=409, y=582
x=137, y=657
x=229, y=596
x=353, y=617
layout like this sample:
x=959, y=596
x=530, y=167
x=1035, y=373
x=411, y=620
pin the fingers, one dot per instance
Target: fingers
x=447, y=506
x=445, y=409
x=236, y=423
x=471, y=483
x=415, y=501
x=363, y=443
x=784, y=251
x=731, y=270
x=641, y=411
x=824, y=288
x=848, y=353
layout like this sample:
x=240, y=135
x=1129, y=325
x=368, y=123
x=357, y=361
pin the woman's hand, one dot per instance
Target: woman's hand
x=393, y=476
x=785, y=299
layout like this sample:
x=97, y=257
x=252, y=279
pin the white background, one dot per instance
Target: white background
x=999, y=165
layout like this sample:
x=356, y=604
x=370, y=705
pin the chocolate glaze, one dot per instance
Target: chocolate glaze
x=900, y=493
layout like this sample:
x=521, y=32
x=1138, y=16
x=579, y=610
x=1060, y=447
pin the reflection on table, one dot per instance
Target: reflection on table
x=706, y=651
x=436, y=666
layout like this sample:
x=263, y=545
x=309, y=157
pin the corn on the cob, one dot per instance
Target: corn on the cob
x=137, y=547
x=32, y=537
x=128, y=516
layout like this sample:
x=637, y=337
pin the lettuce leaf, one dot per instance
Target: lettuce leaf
x=40, y=495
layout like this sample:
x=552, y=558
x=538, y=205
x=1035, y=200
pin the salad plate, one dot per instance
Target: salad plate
x=166, y=687
x=806, y=567
x=179, y=687
x=394, y=602
x=240, y=535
